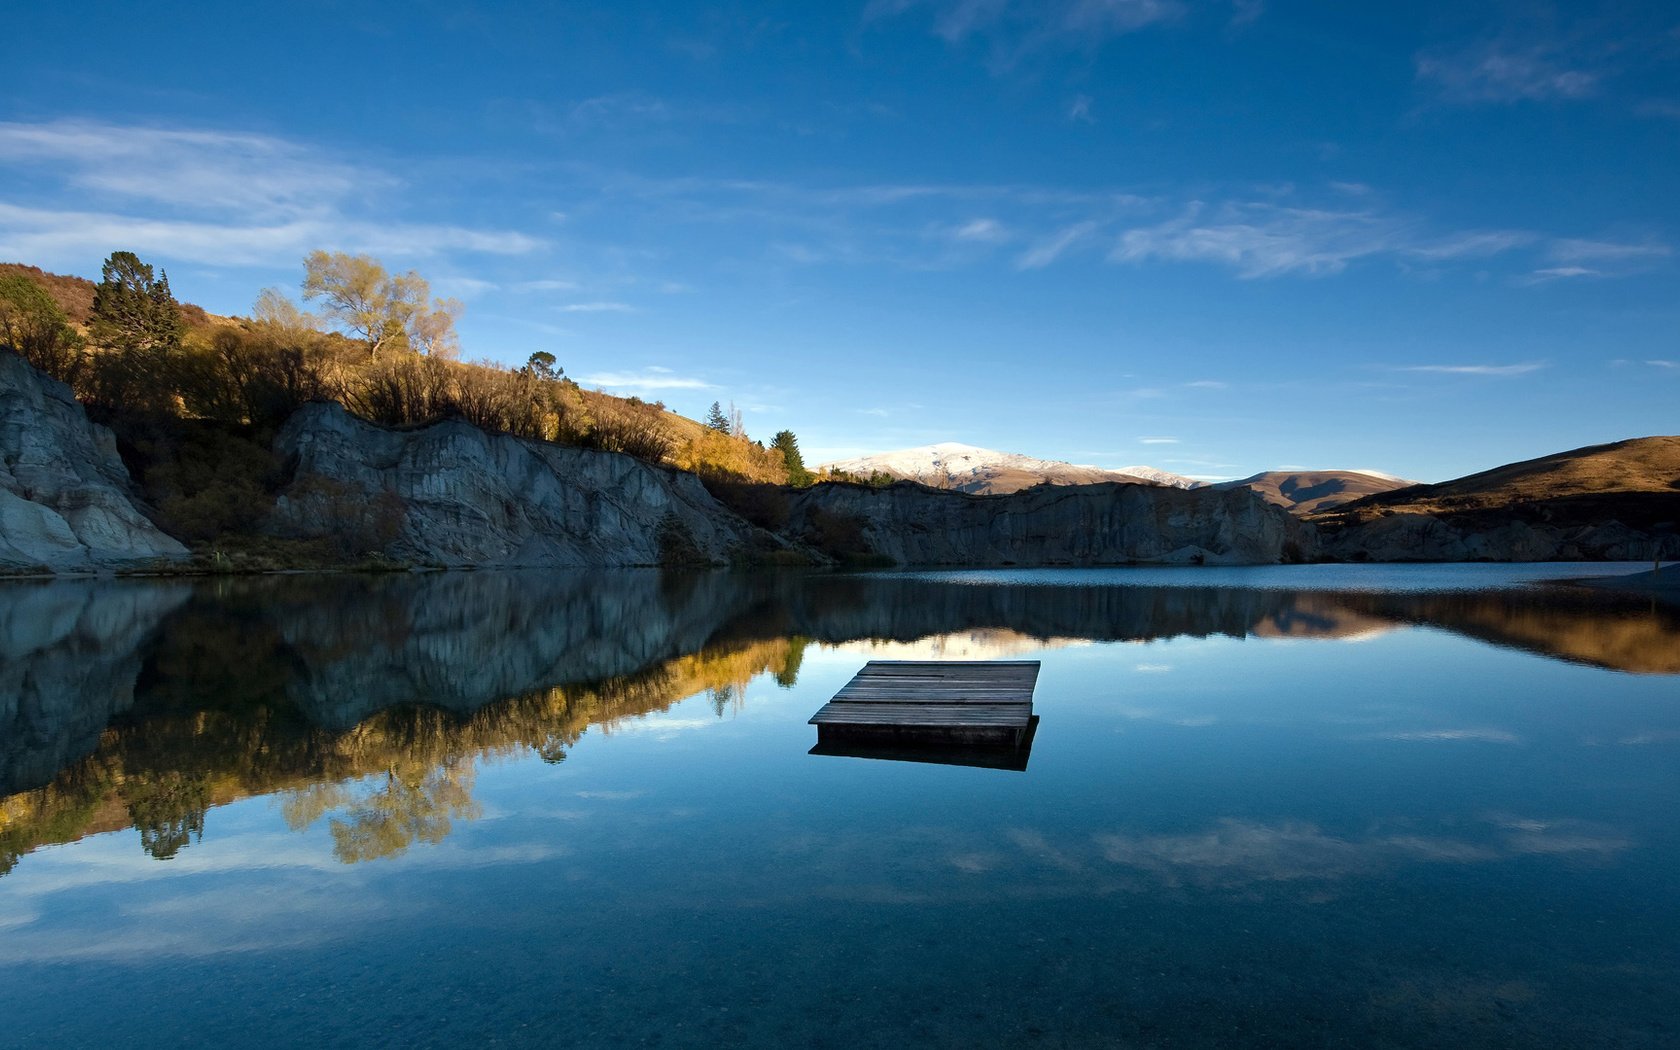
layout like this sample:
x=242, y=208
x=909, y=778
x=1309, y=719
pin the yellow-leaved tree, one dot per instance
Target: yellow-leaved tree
x=384, y=310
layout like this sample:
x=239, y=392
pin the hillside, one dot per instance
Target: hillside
x=984, y=471
x=1639, y=477
x=74, y=295
x=1311, y=491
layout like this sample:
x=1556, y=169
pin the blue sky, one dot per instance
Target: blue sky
x=1212, y=236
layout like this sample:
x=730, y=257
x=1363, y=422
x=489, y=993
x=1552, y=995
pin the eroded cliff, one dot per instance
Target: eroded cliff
x=450, y=494
x=1108, y=524
x=65, y=496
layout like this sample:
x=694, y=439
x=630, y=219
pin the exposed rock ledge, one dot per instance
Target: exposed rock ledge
x=65, y=500
x=1106, y=524
x=450, y=494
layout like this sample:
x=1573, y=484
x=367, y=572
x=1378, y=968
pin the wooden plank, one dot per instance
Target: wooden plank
x=923, y=714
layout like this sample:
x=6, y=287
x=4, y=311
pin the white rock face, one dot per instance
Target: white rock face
x=64, y=493
x=450, y=494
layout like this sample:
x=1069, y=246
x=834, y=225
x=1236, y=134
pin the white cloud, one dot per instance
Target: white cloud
x=1477, y=370
x=1158, y=441
x=547, y=284
x=1263, y=239
x=1504, y=73
x=986, y=231
x=650, y=378
x=1573, y=250
x=1208, y=384
x=597, y=308
x=1473, y=244
x=1014, y=29
x=231, y=171
x=1051, y=248
x=1557, y=273
x=1659, y=363
x=218, y=198
x=1080, y=109
x=49, y=237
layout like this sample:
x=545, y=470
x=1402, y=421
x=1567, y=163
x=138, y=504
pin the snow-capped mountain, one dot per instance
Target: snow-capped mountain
x=966, y=468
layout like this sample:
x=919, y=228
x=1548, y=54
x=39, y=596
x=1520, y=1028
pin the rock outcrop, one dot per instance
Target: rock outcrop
x=450, y=494
x=65, y=496
x=1107, y=524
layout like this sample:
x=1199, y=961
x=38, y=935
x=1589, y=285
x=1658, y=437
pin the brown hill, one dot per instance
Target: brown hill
x=1636, y=482
x=74, y=295
x=1311, y=491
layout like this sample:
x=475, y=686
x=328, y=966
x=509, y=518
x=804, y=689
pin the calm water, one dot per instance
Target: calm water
x=1320, y=806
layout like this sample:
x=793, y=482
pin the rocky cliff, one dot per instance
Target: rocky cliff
x=1107, y=524
x=1508, y=534
x=65, y=501
x=451, y=494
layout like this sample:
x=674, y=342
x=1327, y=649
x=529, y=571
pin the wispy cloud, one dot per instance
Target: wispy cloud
x=1158, y=441
x=1246, y=12
x=1014, y=29
x=1570, y=250
x=1503, y=72
x=1207, y=384
x=1660, y=363
x=1556, y=273
x=653, y=377
x=1051, y=248
x=1079, y=110
x=1263, y=239
x=547, y=284
x=205, y=196
x=1476, y=369
x=985, y=231
x=1473, y=244
x=597, y=308
x=51, y=237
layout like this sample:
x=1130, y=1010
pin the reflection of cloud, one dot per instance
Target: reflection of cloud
x=1486, y=736
x=1651, y=736
x=1154, y=668
x=611, y=796
x=1237, y=853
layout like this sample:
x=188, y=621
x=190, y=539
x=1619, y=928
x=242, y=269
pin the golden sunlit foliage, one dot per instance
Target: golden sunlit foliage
x=401, y=777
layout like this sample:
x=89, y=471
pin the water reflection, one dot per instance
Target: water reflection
x=368, y=702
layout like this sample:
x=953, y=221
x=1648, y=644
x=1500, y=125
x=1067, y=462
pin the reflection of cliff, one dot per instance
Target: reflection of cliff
x=69, y=654
x=400, y=776
x=370, y=700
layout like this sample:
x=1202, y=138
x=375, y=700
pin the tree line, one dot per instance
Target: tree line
x=381, y=345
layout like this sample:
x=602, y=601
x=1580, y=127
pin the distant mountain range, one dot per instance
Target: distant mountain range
x=984, y=471
x=1636, y=481
x=1312, y=491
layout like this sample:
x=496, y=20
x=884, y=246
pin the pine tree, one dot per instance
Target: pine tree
x=132, y=310
x=788, y=445
x=716, y=420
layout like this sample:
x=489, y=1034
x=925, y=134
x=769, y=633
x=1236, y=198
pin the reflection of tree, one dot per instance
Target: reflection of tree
x=413, y=804
x=787, y=676
x=168, y=810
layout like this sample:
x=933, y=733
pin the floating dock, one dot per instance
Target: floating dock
x=964, y=712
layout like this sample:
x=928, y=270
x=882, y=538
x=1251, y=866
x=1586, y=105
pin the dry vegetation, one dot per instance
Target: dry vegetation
x=1636, y=482
x=196, y=408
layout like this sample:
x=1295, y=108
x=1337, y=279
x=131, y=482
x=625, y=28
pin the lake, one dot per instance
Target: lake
x=1375, y=806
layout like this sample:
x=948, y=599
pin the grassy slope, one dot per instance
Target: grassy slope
x=1636, y=481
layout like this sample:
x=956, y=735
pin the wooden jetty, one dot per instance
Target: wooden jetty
x=966, y=712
